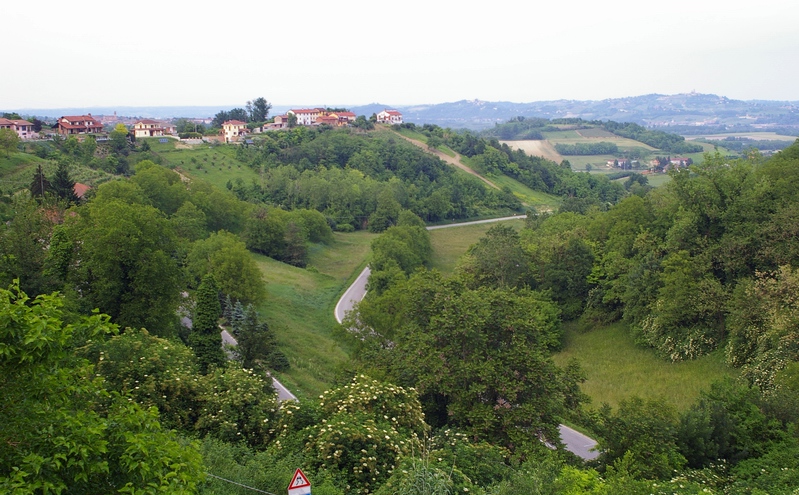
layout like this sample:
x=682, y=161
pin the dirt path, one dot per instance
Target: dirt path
x=455, y=162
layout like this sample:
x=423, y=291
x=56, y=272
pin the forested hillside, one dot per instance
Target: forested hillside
x=706, y=262
x=451, y=386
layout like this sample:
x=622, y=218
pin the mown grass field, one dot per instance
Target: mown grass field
x=299, y=308
x=617, y=369
x=450, y=244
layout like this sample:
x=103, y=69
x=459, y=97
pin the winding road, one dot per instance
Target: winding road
x=575, y=442
x=229, y=341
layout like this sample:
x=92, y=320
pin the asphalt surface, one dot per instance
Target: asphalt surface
x=229, y=341
x=577, y=443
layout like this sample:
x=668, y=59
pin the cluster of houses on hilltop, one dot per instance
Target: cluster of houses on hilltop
x=232, y=130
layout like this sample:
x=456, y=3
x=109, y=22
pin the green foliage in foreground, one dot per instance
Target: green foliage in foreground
x=62, y=429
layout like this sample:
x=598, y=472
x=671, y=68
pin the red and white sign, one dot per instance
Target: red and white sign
x=299, y=484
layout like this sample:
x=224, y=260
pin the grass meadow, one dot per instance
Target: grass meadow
x=450, y=244
x=616, y=368
x=299, y=308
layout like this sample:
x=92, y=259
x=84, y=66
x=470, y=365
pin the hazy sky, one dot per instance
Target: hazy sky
x=351, y=52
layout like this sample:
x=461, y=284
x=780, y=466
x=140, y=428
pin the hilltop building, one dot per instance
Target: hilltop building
x=389, y=117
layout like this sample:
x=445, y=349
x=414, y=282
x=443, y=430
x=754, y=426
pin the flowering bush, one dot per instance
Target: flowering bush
x=380, y=401
x=237, y=405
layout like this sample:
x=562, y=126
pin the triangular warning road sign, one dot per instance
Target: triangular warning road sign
x=299, y=480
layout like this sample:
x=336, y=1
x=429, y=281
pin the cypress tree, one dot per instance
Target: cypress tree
x=63, y=185
x=205, y=337
x=39, y=184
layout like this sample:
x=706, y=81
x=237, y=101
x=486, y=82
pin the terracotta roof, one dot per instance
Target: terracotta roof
x=345, y=114
x=79, y=118
x=234, y=122
x=4, y=121
x=306, y=110
x=147, y=121
x=80, y=189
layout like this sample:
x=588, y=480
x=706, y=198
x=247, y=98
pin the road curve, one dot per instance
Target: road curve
x=357, y=290
x=574, y=441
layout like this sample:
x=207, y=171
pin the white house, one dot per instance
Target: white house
x=306, y=116
x=389, y=117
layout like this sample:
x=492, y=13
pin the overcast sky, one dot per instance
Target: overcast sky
x=349, y=52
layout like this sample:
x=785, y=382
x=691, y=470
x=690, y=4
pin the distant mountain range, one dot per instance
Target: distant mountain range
x=680, y=112
x=690, y=113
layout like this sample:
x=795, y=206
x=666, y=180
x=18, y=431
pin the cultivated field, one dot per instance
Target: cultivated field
x=536, y=148
x=759, y=136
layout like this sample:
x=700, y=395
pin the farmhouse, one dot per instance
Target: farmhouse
x=78, y=124
x=389, y=117
x=232, y=130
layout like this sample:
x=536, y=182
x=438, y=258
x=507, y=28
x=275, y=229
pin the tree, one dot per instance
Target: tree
x=641, y=437
x=9, y=140
x=479, y=358
x=24, y=246
x=63, y=185
x=258, y=109
x=40, y=184
x=238, y=114
x=123, y=264
x=205, y=337
x=497, y=260
x=257, y=345
x=119, y=139
x=63, y=431
x=226, y=257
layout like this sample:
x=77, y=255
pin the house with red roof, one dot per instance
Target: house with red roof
x=78, y=124
x=344, y=118
x=389, y=117
x=306, y=116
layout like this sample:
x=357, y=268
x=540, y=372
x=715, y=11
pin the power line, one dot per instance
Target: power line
x=239, y=484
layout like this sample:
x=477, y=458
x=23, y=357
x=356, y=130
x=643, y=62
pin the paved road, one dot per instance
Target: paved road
x=575, y=442
x=357, y=290
x=228, y=340
x=353, y=294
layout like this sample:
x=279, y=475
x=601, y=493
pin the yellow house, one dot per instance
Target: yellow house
x=232, y=130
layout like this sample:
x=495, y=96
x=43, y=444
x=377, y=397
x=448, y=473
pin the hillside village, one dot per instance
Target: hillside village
x=232, y=131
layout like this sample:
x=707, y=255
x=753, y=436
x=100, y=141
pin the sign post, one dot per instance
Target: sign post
x=299, y=484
